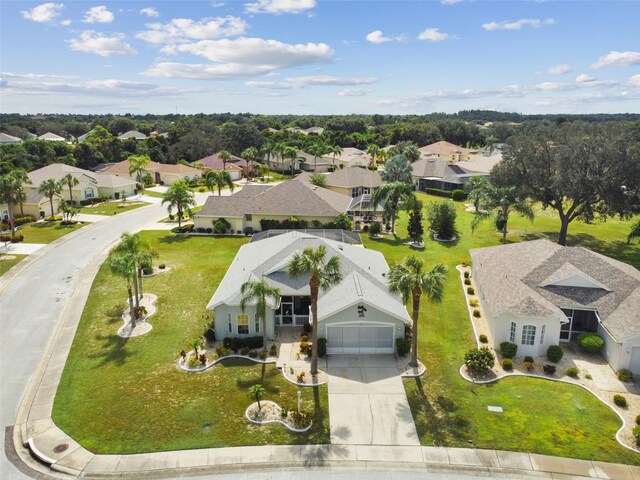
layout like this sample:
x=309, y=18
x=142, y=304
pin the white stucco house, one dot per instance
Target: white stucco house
x=359, y=315
x=539, y=293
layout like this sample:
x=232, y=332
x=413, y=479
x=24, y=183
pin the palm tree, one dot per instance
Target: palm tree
x=70, y=181
x=263, y=170
x=292, y=154
x=132, y=244
x=257, y=391
x=12, y=191
x=391, y=195
x=259, y=291
x=411, y=280
x=138, y=164
x=123, y=266
x=225, y=156
x=634, y=233
x=323, y=274
x=374, y=151
x=477, y=188
x=280, y=149
x=219, y=179
x=250, y=155
x=180, y=197
x=267, y=149
x=499, y=203
x=317, y=150
x=334, y=150
x=49, y=188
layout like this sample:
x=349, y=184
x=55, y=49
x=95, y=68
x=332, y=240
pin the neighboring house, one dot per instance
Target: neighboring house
x=354, y=182
x=51, y=137
x=481, y=164
x=294, y=198
x=358, y=315
x=539, y=293
x=90, y=184
x=37, y=204
x=287, y=165
x=6, y=139
x=351, y=157
x=433, y=172
x=162, y=173
x=236, y=166
x=132, y=134
x=449, y=152
x=308, y=163
x=83, y=137
x=316, y=130
x=4, y=212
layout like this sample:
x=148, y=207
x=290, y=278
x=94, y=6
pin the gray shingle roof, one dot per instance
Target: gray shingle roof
x=132, y=134
x=515, y=278
x=354, y=177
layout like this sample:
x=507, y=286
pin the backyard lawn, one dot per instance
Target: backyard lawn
x=127, y=396
x=539, y=416
x=6, y=264
x=46, y=232
x=110, y=208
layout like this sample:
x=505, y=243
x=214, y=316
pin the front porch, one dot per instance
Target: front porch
x=293, y=312
x=578, y=321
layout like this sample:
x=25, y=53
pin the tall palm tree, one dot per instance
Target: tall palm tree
x=123, y=266
x=323, y=274
x=49, y=188
x=374, y=151
x=138, y=164
x=391, y=195
x=133, y=245
x=218, y=179
x=499, y=203
x=259, y=291
x=263, y=170
x=411, y=280
x=250, y=154
x=180, y=197
x=70, y=181
x=267, y=149
x=225, y=156
x=334, y=150
x=280, y=148
x=290, y=153
x=12, y=191
x=317, y=150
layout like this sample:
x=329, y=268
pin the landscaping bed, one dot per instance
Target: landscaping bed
x=270, y=412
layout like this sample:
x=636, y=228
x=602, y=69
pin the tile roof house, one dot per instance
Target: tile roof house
x=539, y=293
x=163, y=173
x=448, y=151
x=434, y=172
x=236, y=166
x=132, y=134
x=6, y=139
x=294, y=198
x=51, y=137
x=358, y=315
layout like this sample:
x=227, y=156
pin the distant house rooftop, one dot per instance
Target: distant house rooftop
x=51, y=137
x=5, y=139
x=132, y=134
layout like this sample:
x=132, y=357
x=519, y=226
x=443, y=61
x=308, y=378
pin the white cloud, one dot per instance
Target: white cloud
x=150, y=12
x=98, y=15
x=353, y=92
x=617, y=59
x=518, y=24
x=377, y=37
x=433, y=35
x=35, y=76
x=198, y=71
x=278, y=7
x=558, y=69
x=100, y=44
x=217, y=4
x=44, y=13
x=65, y=23
x=301, y=82
x=184, y=29
x=584, y=78
x=450, y=2
x=634, y=81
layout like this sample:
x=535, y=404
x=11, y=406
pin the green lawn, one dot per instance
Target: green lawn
x=46, y=232
x=110, y=208
x=151, y=193
x=126, y=396
x=540, y=416
x=5, y=265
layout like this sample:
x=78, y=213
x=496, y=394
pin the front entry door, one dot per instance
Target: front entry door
x=287, y=313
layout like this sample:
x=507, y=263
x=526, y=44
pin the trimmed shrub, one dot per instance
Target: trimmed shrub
x=237, y=343
x=638, y=420
x=221, y=226
x=549, y=369
x=624, y=375
x=483, y=338
x=262, y=355
x=471, y=291
x=210, y=335
x=507, y=364
x=466, y=275
x=244, y=350
x=590, y=342
x=273, y=351
x=555, y=353
x=183, y=229
x=55, y=218
x=437, y=192
x=403, y=346
x=458, y=195
x=222, y=351
x=636, y=433
x=306, y=328
x=162, y=266
x=17, y=238
x=528, y=358
x=508, y=349
x=620, y=400
x=322, y=347
x=467, y=281
x=572, y=372
x=473, y=302
x=253, y=353
x=476, y=313
x=479, y=361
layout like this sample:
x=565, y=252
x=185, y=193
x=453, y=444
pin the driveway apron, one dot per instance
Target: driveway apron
x=367, y=402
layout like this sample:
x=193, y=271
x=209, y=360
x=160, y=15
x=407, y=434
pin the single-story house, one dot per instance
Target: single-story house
x=38, y=204
x=6, y=139
x=51, y=137
x=90, y=184
x=132, y=134
x=309, y=163
x=163, y=173
x=448, y=151
x=236, y=166
x=316, y=130
x=294, y=198
x=539, y=293
x=358, y=315
x=433, y=172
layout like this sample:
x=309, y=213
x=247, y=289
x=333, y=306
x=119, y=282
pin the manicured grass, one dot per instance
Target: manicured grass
x=109, y=208
x=127, y=396
x=540, y=416
x=151, y=193
x=5, y=265
x=46, y=232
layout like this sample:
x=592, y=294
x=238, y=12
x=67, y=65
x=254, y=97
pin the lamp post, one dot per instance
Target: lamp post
x=299, y=397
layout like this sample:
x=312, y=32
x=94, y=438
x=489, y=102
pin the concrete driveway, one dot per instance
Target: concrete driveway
x=367, y=402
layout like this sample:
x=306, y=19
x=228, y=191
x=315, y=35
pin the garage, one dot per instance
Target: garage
x=634, y=364
x=360, y=338
x=235, y=174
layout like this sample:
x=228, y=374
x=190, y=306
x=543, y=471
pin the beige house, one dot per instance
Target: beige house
x=162, y=173
x=449, y=152
x=38, y=205
x=132, y=134
x=538, y=293
x=6, y=139
x=90, y=184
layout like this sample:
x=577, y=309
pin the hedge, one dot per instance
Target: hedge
x=438, y=192
x=508, y=349
x=238, y=343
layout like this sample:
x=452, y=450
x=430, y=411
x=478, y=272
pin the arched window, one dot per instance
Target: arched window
x=528, y=334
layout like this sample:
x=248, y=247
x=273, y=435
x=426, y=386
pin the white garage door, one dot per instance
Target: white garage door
x=234, y=174
x=634, y=364
x=360, y=339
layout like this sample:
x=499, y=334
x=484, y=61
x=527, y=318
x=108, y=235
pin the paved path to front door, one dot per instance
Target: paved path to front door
x=367, y=402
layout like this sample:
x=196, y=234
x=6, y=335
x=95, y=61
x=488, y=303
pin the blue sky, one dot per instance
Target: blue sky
x=319, y=57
